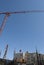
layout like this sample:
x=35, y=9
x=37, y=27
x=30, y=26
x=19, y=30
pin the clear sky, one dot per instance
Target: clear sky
x=22, y=31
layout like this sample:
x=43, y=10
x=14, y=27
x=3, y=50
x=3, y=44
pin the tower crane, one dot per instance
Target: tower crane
x=6, y=49
x=17, y=12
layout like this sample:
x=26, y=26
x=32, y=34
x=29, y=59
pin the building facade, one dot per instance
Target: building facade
x=18, y=56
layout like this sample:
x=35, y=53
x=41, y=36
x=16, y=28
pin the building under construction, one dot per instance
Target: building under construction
x=20, y=59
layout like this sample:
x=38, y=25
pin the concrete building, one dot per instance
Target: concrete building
x=18, y=56
x=27, y=57
x=30, y=57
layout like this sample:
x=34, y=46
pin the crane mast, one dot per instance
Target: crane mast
x=3, y=23
x=5, y=52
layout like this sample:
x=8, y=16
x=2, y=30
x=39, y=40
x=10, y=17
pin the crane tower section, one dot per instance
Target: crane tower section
x=6, y=49
x=4, y=22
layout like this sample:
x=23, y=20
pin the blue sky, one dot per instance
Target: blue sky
x=22, y=31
